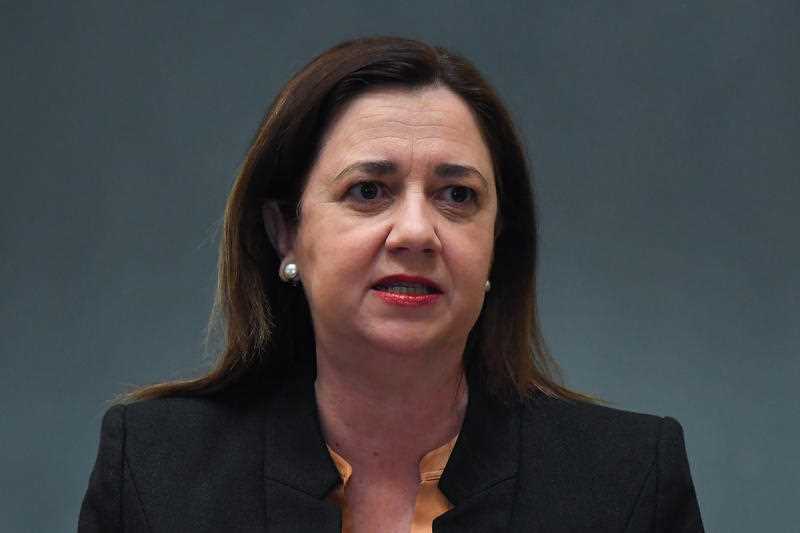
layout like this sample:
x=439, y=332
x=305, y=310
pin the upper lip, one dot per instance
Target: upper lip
x=394, y=278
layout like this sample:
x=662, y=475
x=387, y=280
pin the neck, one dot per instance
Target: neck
x=368, y=413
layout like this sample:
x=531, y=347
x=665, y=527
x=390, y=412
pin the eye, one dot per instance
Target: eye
x=364, y=191
x=459, y=194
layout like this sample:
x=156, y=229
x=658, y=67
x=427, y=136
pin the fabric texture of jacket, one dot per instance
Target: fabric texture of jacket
x=258, y=462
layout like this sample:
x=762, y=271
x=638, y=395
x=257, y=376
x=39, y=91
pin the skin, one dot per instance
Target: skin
x=390, y=384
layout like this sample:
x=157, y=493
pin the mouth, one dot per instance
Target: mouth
x=409, y=285
x=407, y=291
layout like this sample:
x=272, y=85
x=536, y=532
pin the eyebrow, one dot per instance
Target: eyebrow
x=385, y=167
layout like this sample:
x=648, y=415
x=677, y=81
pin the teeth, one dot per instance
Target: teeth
x=405, y=288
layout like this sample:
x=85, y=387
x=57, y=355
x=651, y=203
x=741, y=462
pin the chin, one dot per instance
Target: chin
x=411, y=341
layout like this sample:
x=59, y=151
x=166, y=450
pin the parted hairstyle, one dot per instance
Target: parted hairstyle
x=266, y=323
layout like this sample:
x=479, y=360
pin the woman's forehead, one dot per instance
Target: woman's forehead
x=397, y=124
x=429, y=107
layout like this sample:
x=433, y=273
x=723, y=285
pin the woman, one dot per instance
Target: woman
x=383, y=368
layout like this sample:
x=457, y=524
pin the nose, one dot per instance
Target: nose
x=413, y=226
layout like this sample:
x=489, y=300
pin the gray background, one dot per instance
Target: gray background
x=664, y=137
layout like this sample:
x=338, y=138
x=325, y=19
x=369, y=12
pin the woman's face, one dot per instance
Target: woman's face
x=403, y=186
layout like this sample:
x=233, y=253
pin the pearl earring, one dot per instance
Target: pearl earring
x=288, y=272
x=487, y=286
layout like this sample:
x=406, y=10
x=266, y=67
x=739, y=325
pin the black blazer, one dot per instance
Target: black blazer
x=258, y=462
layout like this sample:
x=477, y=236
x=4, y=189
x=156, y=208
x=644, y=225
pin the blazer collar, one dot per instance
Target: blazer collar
x=487, y=449
x=486, y=452
x=295, y=454
x=298, y=471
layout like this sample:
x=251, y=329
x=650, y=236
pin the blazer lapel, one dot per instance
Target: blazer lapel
x=298, y=471
x=479, y=478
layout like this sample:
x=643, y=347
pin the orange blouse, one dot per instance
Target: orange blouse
x=430, y=501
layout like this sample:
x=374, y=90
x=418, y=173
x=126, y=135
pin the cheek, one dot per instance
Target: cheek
x=471, y=261
x=333, y=253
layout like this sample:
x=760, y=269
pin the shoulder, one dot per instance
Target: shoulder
x=192, y=424
x=617, y=466
x=187, y=410
x=171, y=434
x=625, y=441
x=592, y=425
x=166, y=436
x=200, y=454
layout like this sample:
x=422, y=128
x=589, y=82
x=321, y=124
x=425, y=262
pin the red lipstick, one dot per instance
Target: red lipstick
x=407, y=291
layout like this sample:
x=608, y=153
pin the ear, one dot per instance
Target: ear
x=280, y=233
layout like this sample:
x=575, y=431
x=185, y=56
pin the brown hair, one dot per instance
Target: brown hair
x=267, y=324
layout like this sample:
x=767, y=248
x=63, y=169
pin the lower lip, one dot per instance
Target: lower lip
x=407, y=300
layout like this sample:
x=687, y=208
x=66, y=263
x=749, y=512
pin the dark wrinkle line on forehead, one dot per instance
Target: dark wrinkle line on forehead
x=384, y=167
